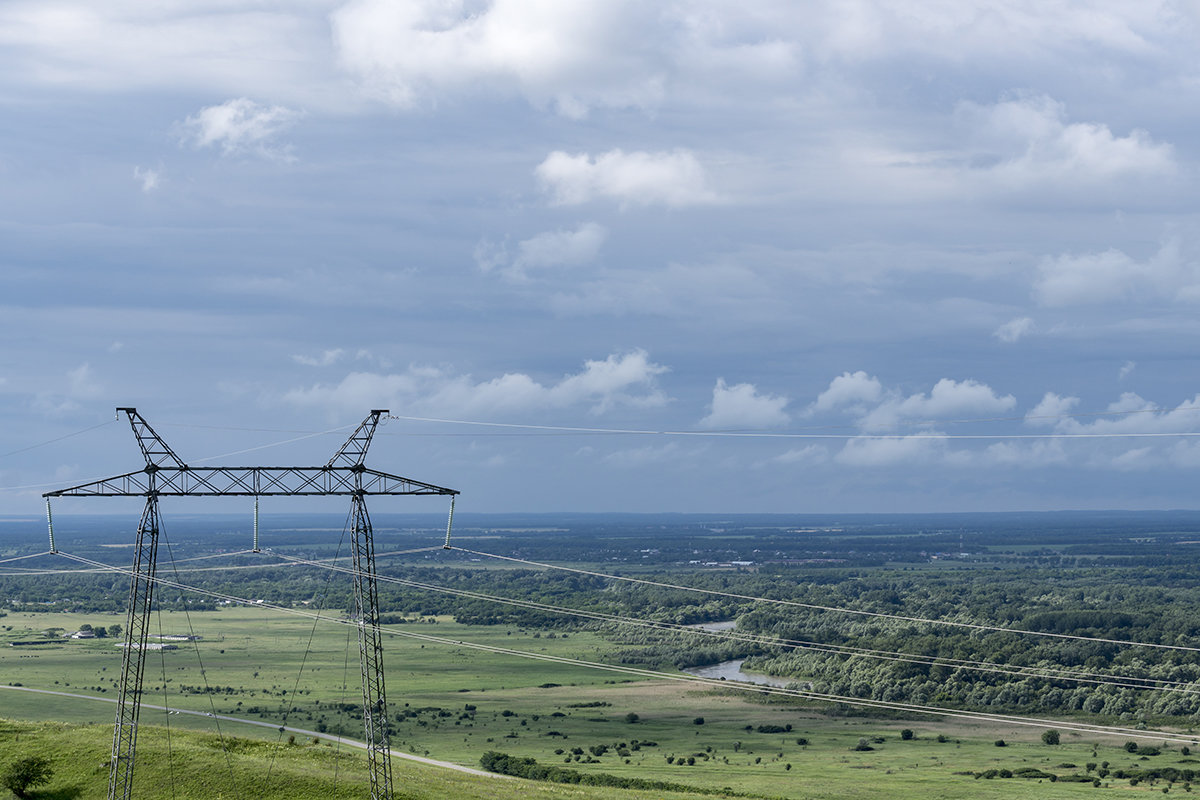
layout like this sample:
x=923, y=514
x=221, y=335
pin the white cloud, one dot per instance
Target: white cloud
x=619, y=380
x=1131, y=414
x=668, y=178
x=1112, y=275
x=572, y=56
x=1027, y=141
x=908, y=450
x=741, y=406
x=854, y=390
x=240, y=127
x=548, y=250
x=1051, y=410
x=148, y=178
x=1014, y=329
x=1126, y=370
x=326, y=358
x=947, y=398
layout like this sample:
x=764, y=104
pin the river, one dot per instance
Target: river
x=732, y=671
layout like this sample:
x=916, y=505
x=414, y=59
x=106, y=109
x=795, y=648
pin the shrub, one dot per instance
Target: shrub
x=698, y=721
x=863, y=745
x=1001, y=743
x=906, y=734
x=631, y=717
x=1050, y=737
x=26, y=773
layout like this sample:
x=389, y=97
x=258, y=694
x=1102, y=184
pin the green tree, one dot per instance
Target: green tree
x=1050, y=737
x=26, y=773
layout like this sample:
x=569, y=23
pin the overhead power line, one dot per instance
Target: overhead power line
x=1068, y=725
x=1044, y=672
x=834, y=609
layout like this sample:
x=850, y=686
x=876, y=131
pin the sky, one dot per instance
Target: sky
x=934, y=256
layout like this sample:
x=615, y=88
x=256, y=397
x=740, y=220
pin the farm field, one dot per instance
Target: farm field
x=455, y=704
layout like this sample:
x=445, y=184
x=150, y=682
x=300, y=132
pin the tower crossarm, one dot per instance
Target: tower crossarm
x=187, y=481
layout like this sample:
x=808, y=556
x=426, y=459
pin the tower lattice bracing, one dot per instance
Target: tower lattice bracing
x=166, y=475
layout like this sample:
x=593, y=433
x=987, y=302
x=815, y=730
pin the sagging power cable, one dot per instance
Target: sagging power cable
x=974, y=626
x=1070, y=725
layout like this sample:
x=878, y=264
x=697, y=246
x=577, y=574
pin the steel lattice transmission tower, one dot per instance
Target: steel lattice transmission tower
x=166, y=475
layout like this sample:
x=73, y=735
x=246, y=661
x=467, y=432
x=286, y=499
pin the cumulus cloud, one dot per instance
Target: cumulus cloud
x=1014, y=329
x=673, y=178
x=1051, y=410
x=741, y=406
x=850, y=389
x=947, y=398
x=148, y=178
x=545, y=251
x=877, y=409
x=628, y=379
x=240, y=127
x=1026, y=140
x=1130, y=413
x=1112, y=275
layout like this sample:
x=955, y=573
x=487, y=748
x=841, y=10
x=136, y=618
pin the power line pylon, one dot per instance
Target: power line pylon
x=166, y=475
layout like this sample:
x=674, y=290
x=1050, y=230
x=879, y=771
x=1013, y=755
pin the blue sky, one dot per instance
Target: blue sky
x=868, y=229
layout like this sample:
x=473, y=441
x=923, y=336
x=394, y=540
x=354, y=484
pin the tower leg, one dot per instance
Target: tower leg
x=370, y=649
x=133, y=657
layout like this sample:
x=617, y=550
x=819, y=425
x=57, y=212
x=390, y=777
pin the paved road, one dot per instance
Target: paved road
x=272, y=725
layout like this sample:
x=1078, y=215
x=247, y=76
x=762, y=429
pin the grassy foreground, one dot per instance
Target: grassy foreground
x=194, y=766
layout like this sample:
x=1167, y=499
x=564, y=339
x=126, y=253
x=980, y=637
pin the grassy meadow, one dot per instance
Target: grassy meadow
x=453, y=703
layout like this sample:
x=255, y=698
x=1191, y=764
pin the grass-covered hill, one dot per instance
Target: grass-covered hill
x=190, y=765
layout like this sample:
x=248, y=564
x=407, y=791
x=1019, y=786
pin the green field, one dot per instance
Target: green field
x=453, y=703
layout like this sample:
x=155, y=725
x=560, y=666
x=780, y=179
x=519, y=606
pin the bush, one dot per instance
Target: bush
x=1001, y=743
x=26, y=773
x=1050, y=737
x=698, y=721
x=906, y=734
x=631, y=717
x=863, y=745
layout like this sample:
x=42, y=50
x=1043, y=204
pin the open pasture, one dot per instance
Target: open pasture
x=454, y=703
